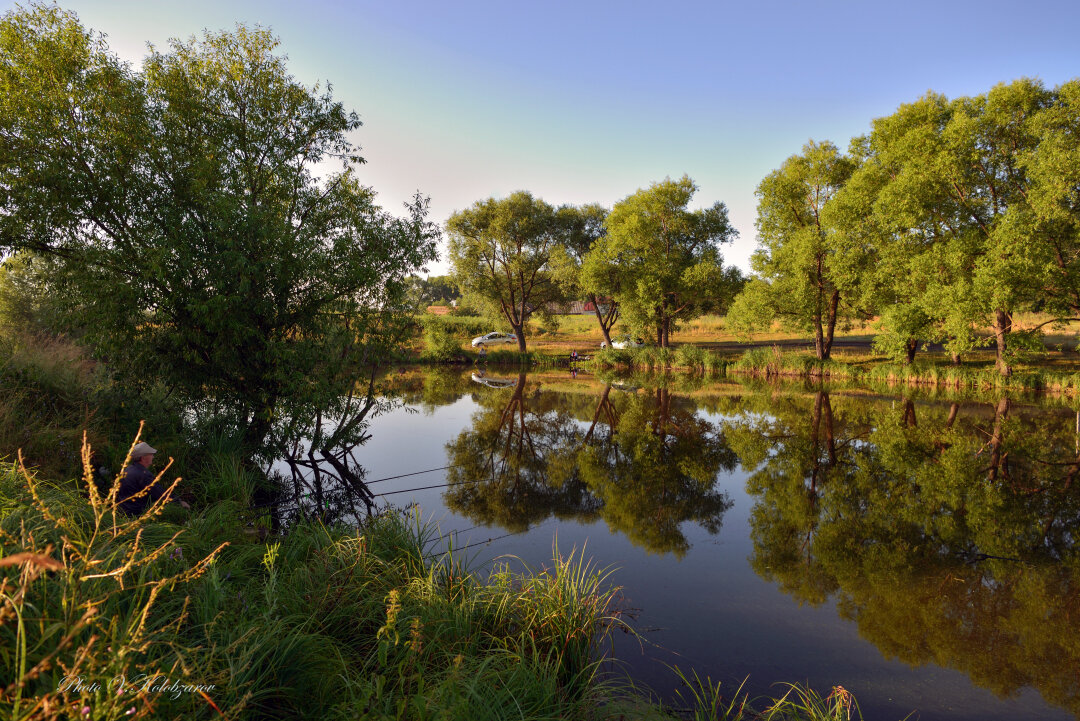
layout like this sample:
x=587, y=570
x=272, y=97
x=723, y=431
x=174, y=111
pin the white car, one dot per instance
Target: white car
x=625, y=342
x=493, y=339
x=493, y=382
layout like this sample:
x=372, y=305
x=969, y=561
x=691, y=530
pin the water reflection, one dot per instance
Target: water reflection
x=947, y=533
x=644, y=462
x=945, y=530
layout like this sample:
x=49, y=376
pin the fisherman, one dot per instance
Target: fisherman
x=137, y=477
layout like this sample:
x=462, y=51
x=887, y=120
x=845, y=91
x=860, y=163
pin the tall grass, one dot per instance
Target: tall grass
x=322, y=623
x=81, y=587
x=46, y=389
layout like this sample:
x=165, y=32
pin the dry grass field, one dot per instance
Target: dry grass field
x=852, y=344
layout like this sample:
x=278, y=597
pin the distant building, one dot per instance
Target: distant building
x=438, y=309
x=577, y=307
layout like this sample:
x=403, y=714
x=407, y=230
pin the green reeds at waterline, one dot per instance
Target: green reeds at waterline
x=335, y=623
x=702, y=699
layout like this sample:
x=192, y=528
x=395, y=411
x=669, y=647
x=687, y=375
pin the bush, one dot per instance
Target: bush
x=441, y=344
x=691, y=356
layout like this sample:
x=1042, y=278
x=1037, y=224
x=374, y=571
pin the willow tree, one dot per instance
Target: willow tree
x=978, y=196
x=666, y=257
x=500, y=255
x=808, y=271
x=580, y=229
x=193, y=232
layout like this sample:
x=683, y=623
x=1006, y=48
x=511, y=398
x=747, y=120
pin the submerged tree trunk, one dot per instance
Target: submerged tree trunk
x=1002, y=327
x=953, y=410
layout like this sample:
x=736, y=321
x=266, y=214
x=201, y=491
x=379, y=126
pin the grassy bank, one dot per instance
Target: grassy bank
x=977, y=374
x=706, y=344
x=320, y=623
x=172, y=615
x=194, y=614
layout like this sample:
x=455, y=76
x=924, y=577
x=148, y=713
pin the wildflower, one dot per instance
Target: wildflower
x=85, y=710
x=416, y=636
x=177, y=554
x=393, y=607
x=129, y=711
x=842, y=699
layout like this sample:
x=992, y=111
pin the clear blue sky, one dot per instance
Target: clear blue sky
x=588, y=101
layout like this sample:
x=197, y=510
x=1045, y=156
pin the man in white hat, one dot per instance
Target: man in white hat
x=137, y=477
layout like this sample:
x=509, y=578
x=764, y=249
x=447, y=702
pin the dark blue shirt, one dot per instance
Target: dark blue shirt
x=136, y=478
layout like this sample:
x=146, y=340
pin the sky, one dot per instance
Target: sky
x=583, y=102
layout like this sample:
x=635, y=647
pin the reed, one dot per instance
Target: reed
x=321, y=623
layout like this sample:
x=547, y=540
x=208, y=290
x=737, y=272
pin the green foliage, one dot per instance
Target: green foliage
x=29, y=305
x=581, y=229
x=809, y=271
x=433, y=290
x=191, y=232
x=661, y=261
x=959, y=193
x=901, y=327
x=47, y=386
x=500, y=251
x=691, y=356
x=441, y=341
x=325, y=623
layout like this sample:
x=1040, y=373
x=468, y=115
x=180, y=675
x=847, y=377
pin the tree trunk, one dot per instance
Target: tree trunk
x=258, y=428
x=662, y=326
x=819, y=338
x=834, y=304
x=911, y=346
x=956, y=359
x=667, y=332
x=519, y=331
x=606, y=320
x=1002, y=327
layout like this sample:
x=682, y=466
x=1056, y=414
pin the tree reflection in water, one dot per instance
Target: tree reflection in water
x=947, y=534
x=643, y=462
x=946, y=531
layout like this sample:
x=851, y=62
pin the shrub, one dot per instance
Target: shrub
x=691, y=356
x=440, y=343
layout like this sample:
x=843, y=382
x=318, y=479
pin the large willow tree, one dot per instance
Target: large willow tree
x=662, y=260
x=808, y=271
x=976, y=202
x=198, y=242
x=501, y=253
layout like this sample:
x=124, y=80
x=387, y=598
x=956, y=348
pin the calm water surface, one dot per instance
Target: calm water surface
x=920, y=552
